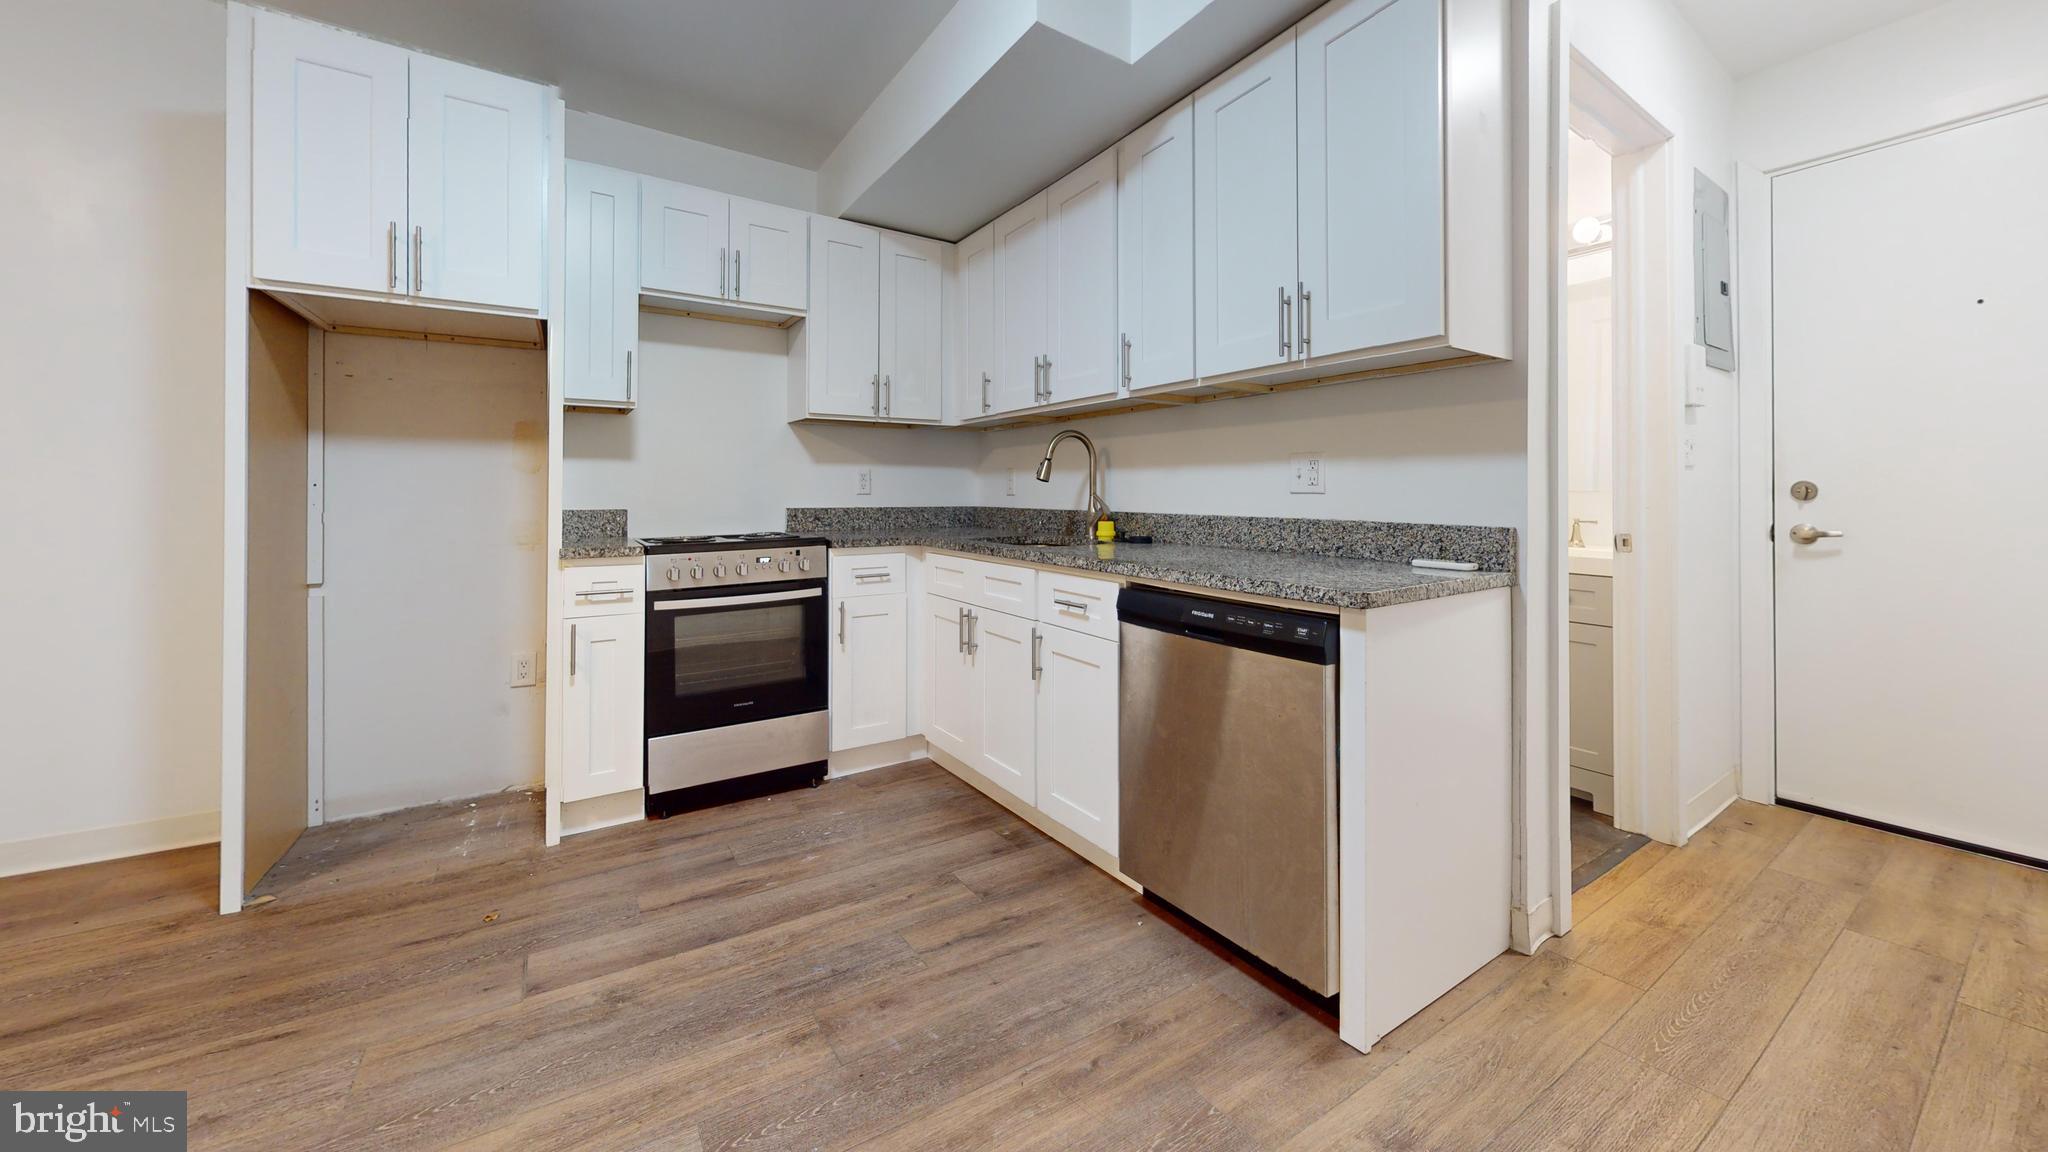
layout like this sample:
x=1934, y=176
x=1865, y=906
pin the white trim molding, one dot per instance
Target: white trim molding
x=92, y=845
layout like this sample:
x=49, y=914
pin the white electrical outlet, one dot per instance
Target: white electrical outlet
x=866, y=482
x=1307, y=472
x=1009, y=481
x=522, y=669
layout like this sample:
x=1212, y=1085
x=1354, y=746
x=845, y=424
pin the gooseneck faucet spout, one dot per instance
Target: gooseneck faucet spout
x=1096, y=508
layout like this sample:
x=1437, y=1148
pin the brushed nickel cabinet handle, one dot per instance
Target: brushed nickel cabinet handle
x=1072, y=605
x=1036, y=666
x=960, y=624
x=1307, y=321
x=629, y=375
x=391, y=258
x=721, y=272
x=1127, y=360
x=875, y=382
x=572, y=653
x=419, y=260
x=735, y=273
x=842, y=624
x=888, y=395
x=973, y=631
x=984, y=391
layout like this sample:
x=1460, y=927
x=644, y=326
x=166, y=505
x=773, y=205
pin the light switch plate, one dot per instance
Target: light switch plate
x=866, y=482
x=1009, y=481
x=1306, y=470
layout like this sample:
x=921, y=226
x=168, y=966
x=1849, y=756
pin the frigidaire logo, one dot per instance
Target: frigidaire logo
x=136, y=1120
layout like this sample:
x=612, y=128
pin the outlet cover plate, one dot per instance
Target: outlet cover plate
x=866, y=482
x=523, y=664
x=1305, y=470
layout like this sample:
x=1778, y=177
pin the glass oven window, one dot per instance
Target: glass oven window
x=738, y=649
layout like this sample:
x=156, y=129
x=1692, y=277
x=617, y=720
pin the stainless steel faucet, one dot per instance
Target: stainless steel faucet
x=1099, y=509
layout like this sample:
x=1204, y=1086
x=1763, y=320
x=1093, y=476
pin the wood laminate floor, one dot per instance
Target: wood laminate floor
x=893, y=961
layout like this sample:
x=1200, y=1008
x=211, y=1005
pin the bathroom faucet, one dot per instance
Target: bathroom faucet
x=1096, y=507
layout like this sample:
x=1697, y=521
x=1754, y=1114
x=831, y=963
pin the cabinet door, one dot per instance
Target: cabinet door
x=601, y=706
x=977, y=257
x=475, y=181
x=870, y=670
x=1155, y=268
x=1372, y=191
x=1001, y=647
x=326, y=157
x=1084, y=357
x=842, y=332
x=1244, y=214
x=912, y=339
x=601, y=320
x=953, y=719
x=1077, y=733
x=1592, y=703
x=770, y=254
x=682, y=238
x=1020, y=297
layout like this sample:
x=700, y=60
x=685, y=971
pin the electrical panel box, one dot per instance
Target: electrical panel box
x=1713, y=323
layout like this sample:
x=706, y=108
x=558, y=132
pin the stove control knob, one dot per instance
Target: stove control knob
x=784, y=565
x=739, y=569
x=803, y=564
x=696, y=571
x=675, y=573
x=718, y=571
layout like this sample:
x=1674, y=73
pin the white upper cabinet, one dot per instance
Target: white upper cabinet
x=476, y=181
x=1245, y=274
x=378, y=170
x=976, y=256
x=770, y=254
x=1082, y=350
x=601, y=321
x=1020, y=299
x=1155, y=271
x=912, y=339
x=682, y=239
x=841, y=338
x=328, y=158
x=1372, y=176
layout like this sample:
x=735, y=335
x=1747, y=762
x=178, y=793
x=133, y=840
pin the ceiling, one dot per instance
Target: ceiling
x=1750, y=35
x=782, y=79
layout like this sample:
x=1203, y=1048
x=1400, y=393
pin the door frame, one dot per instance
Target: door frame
x=1756, y=436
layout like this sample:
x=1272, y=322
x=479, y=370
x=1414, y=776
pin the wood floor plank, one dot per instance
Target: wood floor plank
x=1605, y=887
x=45, y=905
x=2008, y=970
x=1277, y=1083
x=1610, y=1103
x=1712, y=1013
x=1850, y=1067
x=1837, y=853
x=1453, y=1004
x=1772, y=822
x=1463, y=1086
x=1929, y=897
x=1990, y=1090
x=1642, y=931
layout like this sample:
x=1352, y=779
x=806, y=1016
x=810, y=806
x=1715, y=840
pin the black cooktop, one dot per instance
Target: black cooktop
x=663, y=544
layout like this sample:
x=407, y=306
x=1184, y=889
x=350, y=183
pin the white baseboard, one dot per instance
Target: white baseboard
x=1711, y=801
x=1067, y=837
x=603, y=811
x=95, y=844
x=1528, y=928
x=873, y=756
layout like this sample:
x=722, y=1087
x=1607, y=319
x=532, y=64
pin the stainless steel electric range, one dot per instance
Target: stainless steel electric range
x=736, y=667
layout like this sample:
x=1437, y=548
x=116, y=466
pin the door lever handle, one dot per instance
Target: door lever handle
x=1808, y=534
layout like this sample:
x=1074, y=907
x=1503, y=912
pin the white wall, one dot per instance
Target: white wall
x=652, y=152
x=1652, y=54
x=1950, y=63
x=110, y=449
x=435, y=540
x=711, y=449
x=1439, y=447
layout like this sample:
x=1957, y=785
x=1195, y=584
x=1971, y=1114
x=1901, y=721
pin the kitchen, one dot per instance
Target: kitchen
x=931, y=574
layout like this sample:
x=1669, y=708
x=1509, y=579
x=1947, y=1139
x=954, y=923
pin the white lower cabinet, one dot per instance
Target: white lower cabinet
x=1003, y=648
x=1031, y=706
x=1077, y=733
x=602, y=703
x=870, y=670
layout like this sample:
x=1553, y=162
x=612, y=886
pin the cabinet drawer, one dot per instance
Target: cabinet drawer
x=866, y=575
x=947, y=575
x=1591, y=599
x=602, y=590
x=1002, y=587
x=1081, y=603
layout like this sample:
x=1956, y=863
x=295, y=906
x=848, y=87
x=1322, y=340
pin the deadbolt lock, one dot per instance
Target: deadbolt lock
x=1805, y=490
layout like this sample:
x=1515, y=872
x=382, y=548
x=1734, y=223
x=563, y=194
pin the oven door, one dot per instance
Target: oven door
x=730, y=656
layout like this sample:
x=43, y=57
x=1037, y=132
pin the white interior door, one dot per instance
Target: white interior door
x=475, y=185
x=913, y=344
x=1908, y=290
x=327, y=157
x=1155, y=235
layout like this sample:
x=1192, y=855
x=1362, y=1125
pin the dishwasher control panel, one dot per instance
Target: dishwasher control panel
x=1301, y=635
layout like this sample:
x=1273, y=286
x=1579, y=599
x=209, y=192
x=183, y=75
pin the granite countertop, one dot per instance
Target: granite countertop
x=597, y=534
x=1310, y=578
x=601, y=548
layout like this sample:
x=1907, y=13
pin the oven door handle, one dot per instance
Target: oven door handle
x=730, y=601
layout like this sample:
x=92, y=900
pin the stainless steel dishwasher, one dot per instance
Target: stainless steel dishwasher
x=1228, y=772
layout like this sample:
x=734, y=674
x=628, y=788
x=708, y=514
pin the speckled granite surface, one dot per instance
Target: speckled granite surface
x=596, y=534
x=1332, y=563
